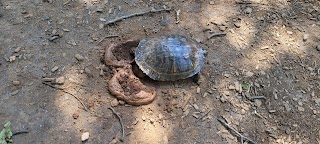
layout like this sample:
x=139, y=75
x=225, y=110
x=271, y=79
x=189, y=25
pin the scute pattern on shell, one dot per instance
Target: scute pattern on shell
x=169, y=58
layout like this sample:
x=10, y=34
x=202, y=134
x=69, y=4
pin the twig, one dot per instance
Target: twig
x=58, y=88
x=133, y=15
x=66, y=2
x=19, y=132
x=258, y=115
x=122, y=127
x=231, y=128
x=109, y=36
x=204, y=115
x=216, y=35
x=257, y=97
x=244, y=2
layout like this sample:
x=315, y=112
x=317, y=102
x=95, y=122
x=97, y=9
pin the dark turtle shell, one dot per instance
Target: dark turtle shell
x=169, y=58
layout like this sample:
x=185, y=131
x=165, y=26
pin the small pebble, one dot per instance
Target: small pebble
x=54, y=69
x=8, y=7
x=227, y=93
x=272, y=111
x=102, y=19
x=45, y=18
x=300, y=109
x=198, y=90
x=122, y=102
x=85, y=136
x=211, y=2
x=12, y=58
x=17, y=49
x=24, y=12
x=60, y=80
x=223, y=99
x=289, y=32
x=160, y=116
x=88, y=72
x=257, y=103
x=151, y=120
x=287, y=107
x=14, y=92
x=28, y=15
x=101, y=26
x=65, y=30
x=54, y=32
x=237, y=86
x=231, y=87
x=227, y=75
x=99, y=10
x=248, y=10
x=249, y=74
x=79, y=57
x=232, y=31
x=314, y=111
x=143, y=118
x=222, y=28
x=114, y=103
x=16, y=83
x=205, y=94
x=305, y=37
x=318, y=47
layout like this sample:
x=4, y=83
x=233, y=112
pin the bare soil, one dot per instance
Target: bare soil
x=272, y=46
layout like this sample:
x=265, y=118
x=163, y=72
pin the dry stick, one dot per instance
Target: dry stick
x=122, y=127
x=109, y=36
x=244, y=2
x=216, y=35
x=204, y=115
x=239, y=134
x=133, y=15
x=58, y=88
x=257, y=97
x=19, y=132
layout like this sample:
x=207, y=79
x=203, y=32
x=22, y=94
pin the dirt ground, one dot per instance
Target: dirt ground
x=271, y=45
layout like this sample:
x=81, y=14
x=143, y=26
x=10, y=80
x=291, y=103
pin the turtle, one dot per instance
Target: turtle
x=170, y=58
x=164, y=58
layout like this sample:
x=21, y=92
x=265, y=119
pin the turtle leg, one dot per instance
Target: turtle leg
x=196, y=78
x=137, y=71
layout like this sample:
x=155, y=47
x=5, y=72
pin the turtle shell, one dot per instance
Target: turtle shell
x=169, y=58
